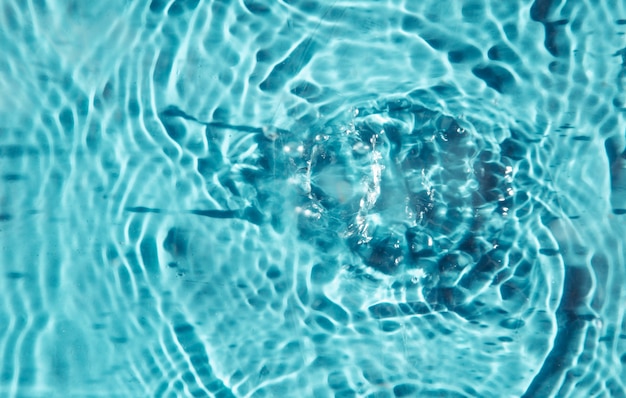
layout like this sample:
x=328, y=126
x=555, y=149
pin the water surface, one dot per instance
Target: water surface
x=312, y=198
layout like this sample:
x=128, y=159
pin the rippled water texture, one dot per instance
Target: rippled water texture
x=312, y=198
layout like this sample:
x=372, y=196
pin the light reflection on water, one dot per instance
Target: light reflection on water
x=304, y=199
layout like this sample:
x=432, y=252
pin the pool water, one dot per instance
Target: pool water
x=312, y=198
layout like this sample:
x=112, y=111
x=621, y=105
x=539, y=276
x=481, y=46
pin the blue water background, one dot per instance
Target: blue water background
x=184, y=212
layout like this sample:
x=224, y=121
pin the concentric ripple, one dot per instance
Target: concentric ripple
x=312, y=199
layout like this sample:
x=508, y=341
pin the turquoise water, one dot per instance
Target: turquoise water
x=312, y=198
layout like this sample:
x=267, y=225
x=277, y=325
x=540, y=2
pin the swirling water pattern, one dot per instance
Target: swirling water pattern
x=312, y=198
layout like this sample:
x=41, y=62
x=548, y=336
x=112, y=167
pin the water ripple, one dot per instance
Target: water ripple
x=299, y=198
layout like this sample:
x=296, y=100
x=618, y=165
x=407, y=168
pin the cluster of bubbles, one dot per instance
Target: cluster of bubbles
x=411, y=191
